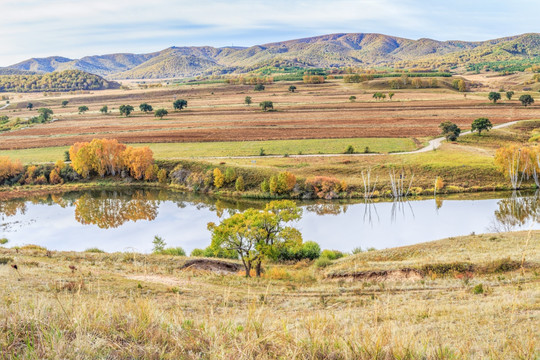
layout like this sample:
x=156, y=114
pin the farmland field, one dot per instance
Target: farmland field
x=216, y=113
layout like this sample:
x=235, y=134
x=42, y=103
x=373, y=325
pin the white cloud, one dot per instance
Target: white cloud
x=75, y=28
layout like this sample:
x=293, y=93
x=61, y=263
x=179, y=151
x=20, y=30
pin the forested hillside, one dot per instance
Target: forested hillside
x=56, y=81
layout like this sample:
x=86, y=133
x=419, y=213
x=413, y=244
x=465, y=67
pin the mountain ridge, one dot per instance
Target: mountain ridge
x=330, y=50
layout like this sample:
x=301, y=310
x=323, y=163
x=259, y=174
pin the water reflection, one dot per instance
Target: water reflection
x=116, y=219
x=516, y=211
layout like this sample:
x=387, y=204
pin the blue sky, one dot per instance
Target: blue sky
x=75, y=28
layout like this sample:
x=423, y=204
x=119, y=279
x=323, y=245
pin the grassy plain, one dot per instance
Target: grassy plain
x=168, y=151
x=127, y=305
x=217, y=112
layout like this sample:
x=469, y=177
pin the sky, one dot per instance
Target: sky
x=76, y=28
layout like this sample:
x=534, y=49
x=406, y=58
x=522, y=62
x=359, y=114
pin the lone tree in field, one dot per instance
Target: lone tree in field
x=45, y=114
x=391, y=95
x=257, y=235
x=509, y=95
x=247, y=100
x=179, y=104
x=266, y=105
x=352, y=98
x=259, y=87
x=83, y=109
x=64, y=103
x=292, y=88
x=30, y=106
x=481, y=124
x=160, y=113
x=146, y=108
x=126, y=110
x=494, y=96
x=104, y=109
x=526, y=100
x=450, y=130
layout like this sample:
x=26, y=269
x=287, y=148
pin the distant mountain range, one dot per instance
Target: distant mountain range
x=336, y=50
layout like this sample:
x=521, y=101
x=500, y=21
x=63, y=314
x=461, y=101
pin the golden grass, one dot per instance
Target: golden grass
x=108, y=308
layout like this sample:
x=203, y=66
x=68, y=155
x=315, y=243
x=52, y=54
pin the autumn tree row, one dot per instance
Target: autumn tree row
x=109, y=157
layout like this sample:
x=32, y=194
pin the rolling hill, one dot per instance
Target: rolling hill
x=335, y=50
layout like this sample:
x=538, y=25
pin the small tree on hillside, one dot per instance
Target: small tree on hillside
x=146, y=107
x=292, y=88
x=83, y=109
x=160, y=113
x=391, y=95
x=352, y=98
x=266, y=105
x=481, y=124
x=126, y=109
x=247, y=100
x=64, y=103
x=259, y=87
x=30, y=106
x=509, y=95
x=526, y=100
x=450, y=130
x=494, y=96
x=179, y=104
x=104, y=109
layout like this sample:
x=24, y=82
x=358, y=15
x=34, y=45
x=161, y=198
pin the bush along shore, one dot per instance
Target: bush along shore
x=107, y=161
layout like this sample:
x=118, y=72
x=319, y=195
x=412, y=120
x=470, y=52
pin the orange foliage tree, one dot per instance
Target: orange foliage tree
x=325, y=187
x=9, y=168
x=109, y=157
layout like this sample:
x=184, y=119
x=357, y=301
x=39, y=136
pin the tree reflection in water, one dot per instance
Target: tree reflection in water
x=399, y=205
x=369, y=209
x=111, y=209
x=516, y=211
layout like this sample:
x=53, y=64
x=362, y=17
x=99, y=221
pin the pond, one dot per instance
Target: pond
x=128, y=220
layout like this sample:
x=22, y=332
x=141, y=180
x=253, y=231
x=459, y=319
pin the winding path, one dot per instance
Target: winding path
x=432, y=145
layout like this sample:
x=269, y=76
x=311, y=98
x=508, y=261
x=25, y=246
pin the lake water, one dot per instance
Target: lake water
x=129, y=220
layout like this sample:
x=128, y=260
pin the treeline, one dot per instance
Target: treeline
x=68, y=80
x=109, y=157
x=357, y=78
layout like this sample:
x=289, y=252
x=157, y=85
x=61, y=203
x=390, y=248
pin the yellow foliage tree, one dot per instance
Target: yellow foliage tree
x=219, y=178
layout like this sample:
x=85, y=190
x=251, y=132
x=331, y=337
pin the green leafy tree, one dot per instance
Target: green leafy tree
x=146, y=107
x=480, y=125
x=159, y=244
x=239, y=184
x=450, y=130
x=30, y=106
x=352, y=98
x=265, y=186
x=104, y=109
x=494, y=96
x=45, y=114
x=64, y=103
x=259, y=87
x=526, y=100
x=257, y=235
x=509, y=95
x=292, y=88
x=391, y=95
x=160, y=113
x=247, y=100
x=83, y=109
x=266, y=105
x=126, y=109
x=349, y=150
x=179, y=104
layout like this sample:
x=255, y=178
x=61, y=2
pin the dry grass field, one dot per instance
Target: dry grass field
x=216, y=113
x=473, y=297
